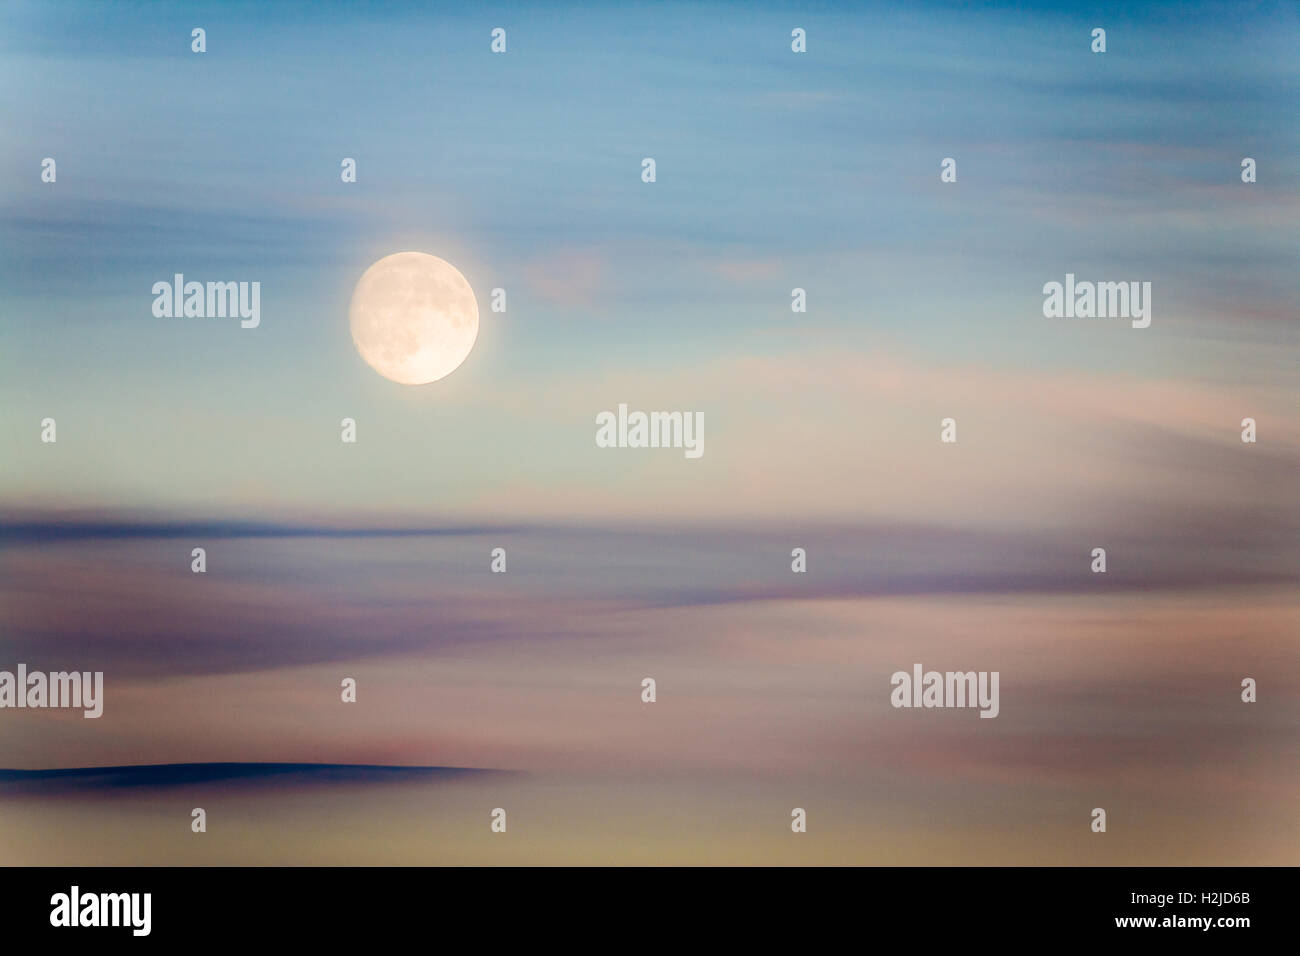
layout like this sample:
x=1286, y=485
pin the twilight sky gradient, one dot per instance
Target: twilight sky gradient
x=822, y=430
x=775, y=171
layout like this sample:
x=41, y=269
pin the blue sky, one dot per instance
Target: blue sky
x=774, y=171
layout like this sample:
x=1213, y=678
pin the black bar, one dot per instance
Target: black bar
x=658, y=906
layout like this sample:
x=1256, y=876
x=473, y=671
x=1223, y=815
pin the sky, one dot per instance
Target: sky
x=775, y=171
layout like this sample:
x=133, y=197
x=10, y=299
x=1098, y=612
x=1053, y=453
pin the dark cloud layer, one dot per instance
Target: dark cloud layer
x=282, y=776
x=120, y=596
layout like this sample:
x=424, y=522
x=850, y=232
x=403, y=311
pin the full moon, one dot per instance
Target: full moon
x=414, y=318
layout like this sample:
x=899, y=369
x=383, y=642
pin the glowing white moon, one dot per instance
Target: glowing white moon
x=414, y=317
